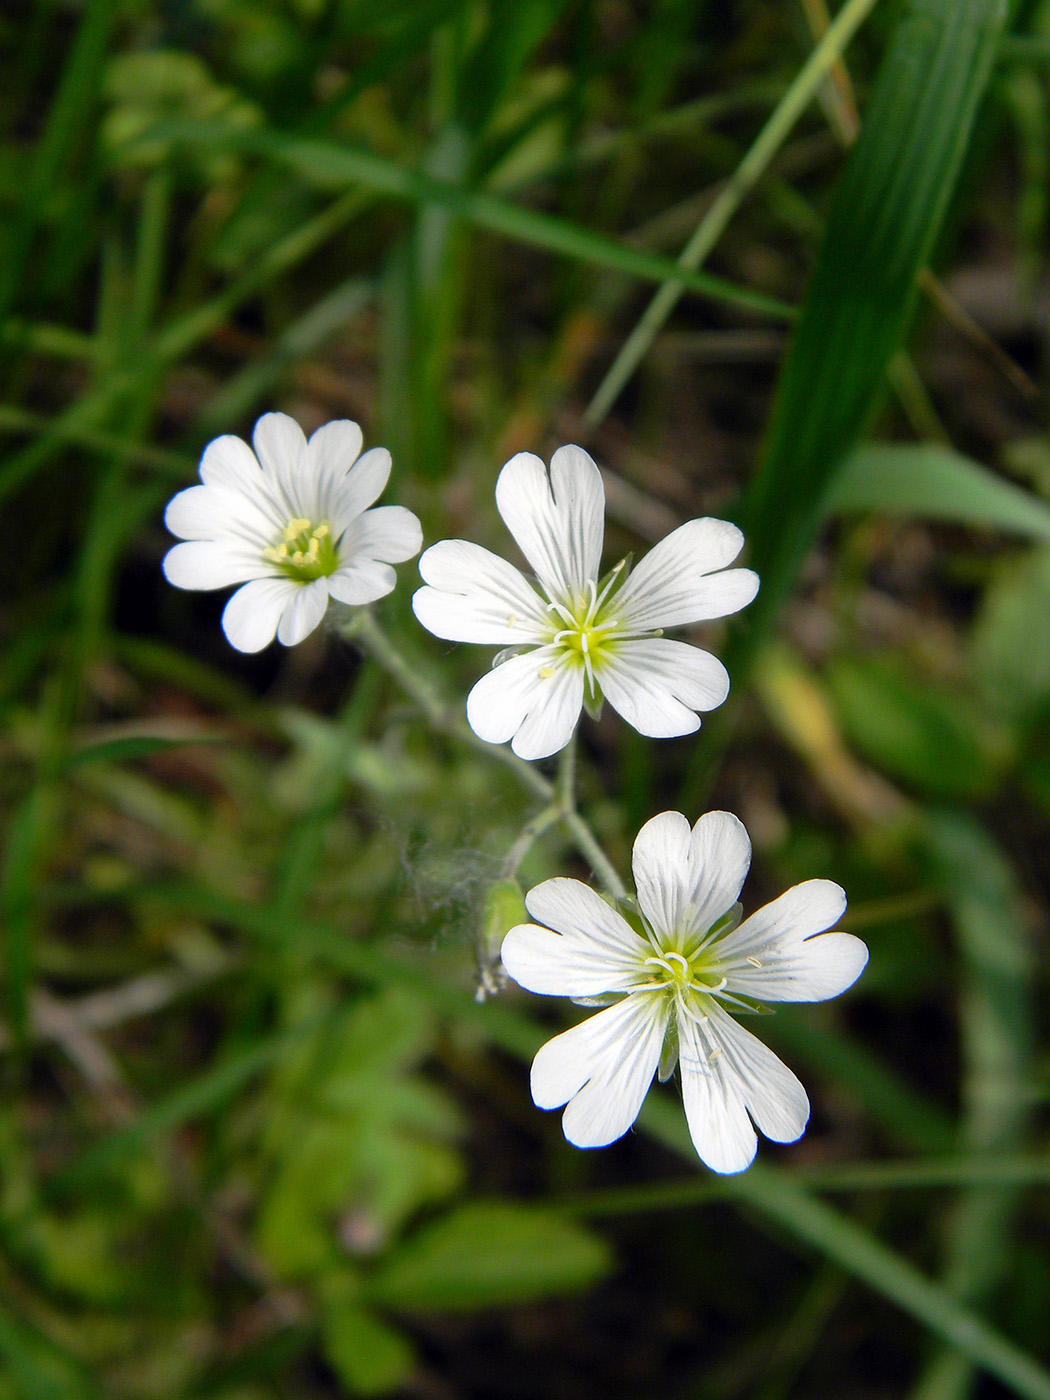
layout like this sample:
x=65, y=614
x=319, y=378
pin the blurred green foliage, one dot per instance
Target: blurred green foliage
x=257, y=1136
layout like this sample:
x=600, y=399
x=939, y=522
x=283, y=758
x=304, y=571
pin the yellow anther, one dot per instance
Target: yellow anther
x=512, y=619
x=321, y=531
x=754, y=962
x=294, y=528
x=545, y=672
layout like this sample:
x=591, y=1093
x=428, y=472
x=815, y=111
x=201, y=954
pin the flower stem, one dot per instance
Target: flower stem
x=363, y=628
x=529, y=834
x=560, y=799
x=583, y=837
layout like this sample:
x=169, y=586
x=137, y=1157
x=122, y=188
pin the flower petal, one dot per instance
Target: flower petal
x=280, y=446
x=220, y=513
x=208, y=564
x=558, y=519
x=475, y=596
x=251, y=616
x=773, y=955
x=229, y=462
x=531, y=699
x=657, y=685
x=333, y=449
x=602, y=1068
x=356, y=491
x=551, y=965
x=361, y=581
x=391, y=534
x=677, y=583
x=594, y=950
x=686, y=880
x=303, y=612
x=728, y=1073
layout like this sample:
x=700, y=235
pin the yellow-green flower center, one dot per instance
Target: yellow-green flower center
x=678, y=973
x=305, y=551
x=588, y=628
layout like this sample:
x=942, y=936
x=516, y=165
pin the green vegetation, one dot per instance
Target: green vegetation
x=259, y=1138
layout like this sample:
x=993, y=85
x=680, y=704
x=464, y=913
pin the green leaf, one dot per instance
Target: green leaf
x=888, y=209
x=140, y=746
x=937, y=482
x=491, y=1253
x=928, y=736
x=1010, y=643
x=369, y=1356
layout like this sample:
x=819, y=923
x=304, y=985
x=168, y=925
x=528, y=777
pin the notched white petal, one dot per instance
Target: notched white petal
x=475, y=596
x=603, y=1069
x=251, y=616
x=574, y=909
x=303, y=611
x=557, y=519
x=529, y=699
x=333, y=450
x=361, y=581
x=347, y=496
x=818, y=968
x=229, y=462
x=207, y=564
x=658, y=685
x=683, y=579
x=552, y=965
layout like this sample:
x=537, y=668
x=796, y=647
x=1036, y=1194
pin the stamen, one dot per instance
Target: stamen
x=305, y=551
x=711, y=991
x=753, y=961
x=545, y=672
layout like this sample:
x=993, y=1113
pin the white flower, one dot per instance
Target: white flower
x=670, y=975
x=581, y=638
x=290, y=522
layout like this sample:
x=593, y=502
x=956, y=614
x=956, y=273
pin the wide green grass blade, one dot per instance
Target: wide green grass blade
x=921, y=479
x=881, y=229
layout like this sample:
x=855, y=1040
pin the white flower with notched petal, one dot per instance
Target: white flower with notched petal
x=670, y=976
x=582, y=639
x=290, y=522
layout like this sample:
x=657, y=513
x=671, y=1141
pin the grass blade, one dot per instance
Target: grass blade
x=884, y=220
x=741, y=182
x=332, y=166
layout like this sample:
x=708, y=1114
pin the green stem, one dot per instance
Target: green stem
x=739, y=184
x=530, y=833
x=363, y=629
